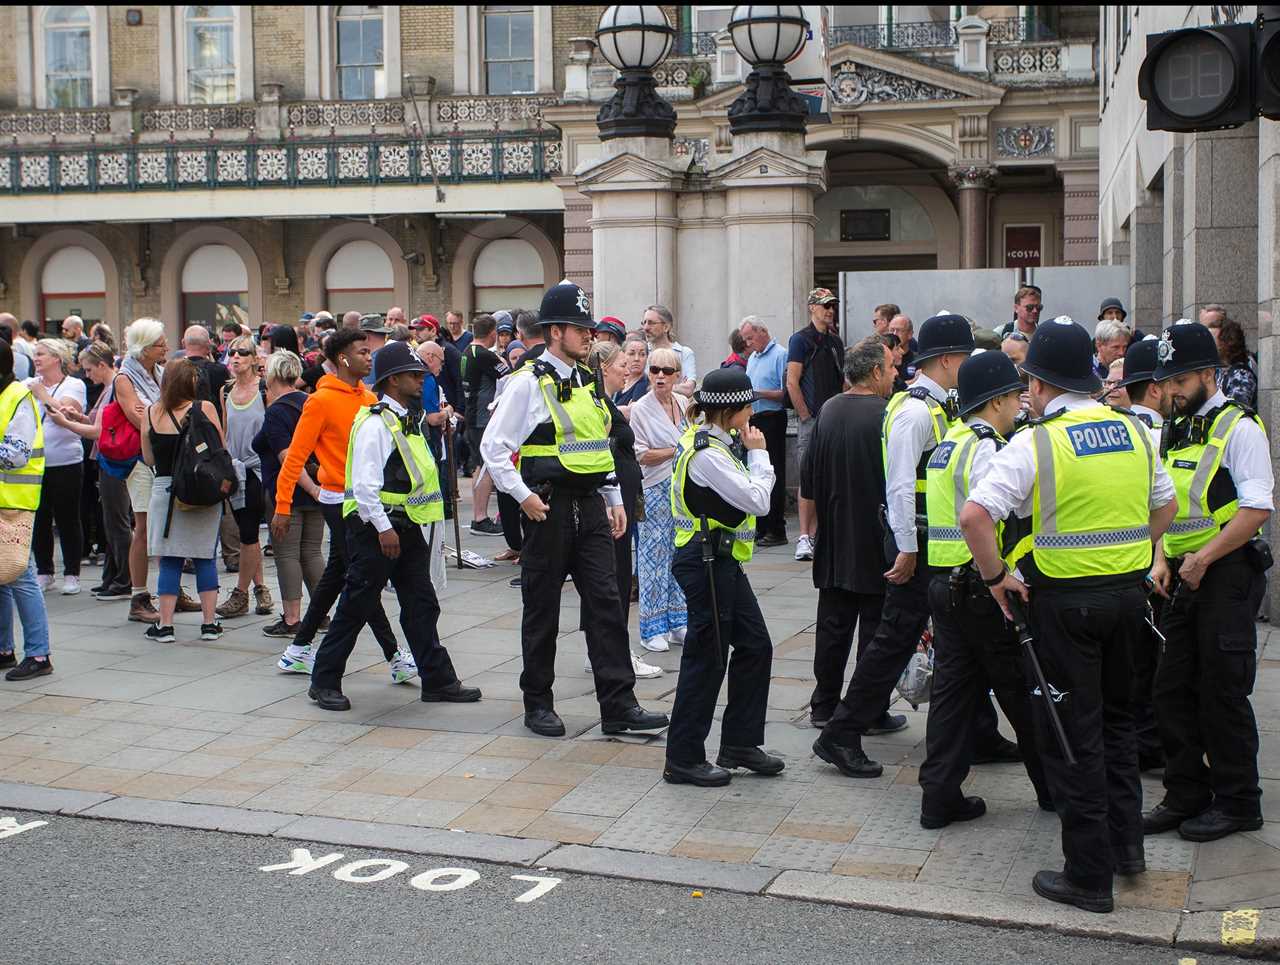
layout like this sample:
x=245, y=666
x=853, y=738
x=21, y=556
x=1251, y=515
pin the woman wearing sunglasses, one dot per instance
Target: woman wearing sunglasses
x=658, y=420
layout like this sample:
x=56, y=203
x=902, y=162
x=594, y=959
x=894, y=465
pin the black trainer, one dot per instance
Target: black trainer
x=158, y=634
x=30, y=667
x=211, y=631
x=281, y=628
x=485, y=527
x=888, y=724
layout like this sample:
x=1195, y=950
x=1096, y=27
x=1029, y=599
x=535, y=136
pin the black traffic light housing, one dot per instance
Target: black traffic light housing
x=1268, y=67
x=1200, y=78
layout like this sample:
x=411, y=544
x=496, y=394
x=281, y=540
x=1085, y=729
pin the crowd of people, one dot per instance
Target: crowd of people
x=1101, y=493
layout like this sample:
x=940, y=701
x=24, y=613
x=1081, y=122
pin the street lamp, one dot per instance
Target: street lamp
x=635, y=40
x=768, y=38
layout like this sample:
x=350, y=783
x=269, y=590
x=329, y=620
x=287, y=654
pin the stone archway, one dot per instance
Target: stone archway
x=318, y=257
x=44, y=249
x=176, y=257
x=464, y=259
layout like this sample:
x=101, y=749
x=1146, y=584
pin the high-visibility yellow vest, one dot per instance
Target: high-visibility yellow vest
x=20, y=488
x=942, y=423
x=575, y=443
x=947, y=490
x=1194, y=463
x=421, y=500
x=1091, y=503
x=687, y=524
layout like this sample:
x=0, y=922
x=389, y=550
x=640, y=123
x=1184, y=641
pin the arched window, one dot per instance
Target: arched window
x=508, y=274
x=68, y=58
x=359, y=278
x=215, y=287
x=360, y=60
x=210, y=45
x=72, y=283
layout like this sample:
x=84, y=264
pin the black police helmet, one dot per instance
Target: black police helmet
x=1140, y=362
x=394, y=358
x=983, y=377
x=943, y=334
x=1185, y=346
x=725, y=389
x=1061, y=354
x=566, y=304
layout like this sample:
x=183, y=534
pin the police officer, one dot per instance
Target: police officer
x=1097, y=496
x=392, y=491
x=915, y=422
x=722, y=480
x=1220, y=462
x=553, y=416
x=1149, y=401
x=970, y=634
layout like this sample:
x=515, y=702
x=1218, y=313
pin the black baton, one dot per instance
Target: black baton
x=708, y=561
x=1028, y=644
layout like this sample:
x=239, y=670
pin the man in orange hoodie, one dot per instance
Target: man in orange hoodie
x=323, y=430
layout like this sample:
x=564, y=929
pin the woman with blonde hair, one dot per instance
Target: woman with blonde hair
x=658, y=420
x=56, y=390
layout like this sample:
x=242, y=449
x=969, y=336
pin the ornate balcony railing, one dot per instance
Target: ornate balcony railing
x=1028, y=63
x=14, y=123
x=701, y=43
x=525, y=110
x=934, y=33
x=289, y=164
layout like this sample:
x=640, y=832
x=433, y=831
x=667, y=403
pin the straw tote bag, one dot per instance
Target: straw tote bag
x=15, y=543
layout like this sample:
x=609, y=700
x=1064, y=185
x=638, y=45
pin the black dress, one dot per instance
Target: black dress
x=630, y=478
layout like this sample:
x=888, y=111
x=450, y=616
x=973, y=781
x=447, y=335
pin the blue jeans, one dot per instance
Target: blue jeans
x=170, y=579
x=29, y=598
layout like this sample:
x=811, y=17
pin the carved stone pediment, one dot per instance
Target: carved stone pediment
x=862, y=78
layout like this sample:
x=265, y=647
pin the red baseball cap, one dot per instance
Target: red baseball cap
x=427, y=321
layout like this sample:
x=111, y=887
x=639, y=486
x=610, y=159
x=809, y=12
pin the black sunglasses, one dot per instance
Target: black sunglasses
x=655, y=369
x=243, y=352
x=1018, y=337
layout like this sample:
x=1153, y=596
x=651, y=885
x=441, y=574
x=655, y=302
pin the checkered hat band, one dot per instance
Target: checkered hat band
x=741, y=397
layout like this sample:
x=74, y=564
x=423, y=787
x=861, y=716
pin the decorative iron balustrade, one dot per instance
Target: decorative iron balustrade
x=344, y=113
x=1017, y=30
x=290, y=164
x=55, y=122
x=700, y=43
x=1029, y=62
x=227, y=117
x=925, y=33
x=470, y=110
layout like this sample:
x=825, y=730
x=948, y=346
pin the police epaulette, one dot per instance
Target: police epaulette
x=1122, y=410
x=1046, y=418
x=983, y=431
x=701, y=440
x=541, y=368
x=378, y=407
x=918, y=392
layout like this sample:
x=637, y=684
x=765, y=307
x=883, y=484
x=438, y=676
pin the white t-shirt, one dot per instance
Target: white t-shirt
x=62, y=447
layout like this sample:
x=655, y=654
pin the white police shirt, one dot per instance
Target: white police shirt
x=1011, y=480
x=717, y=471
x=1157, y=422
x=911, y=438
x=518, y=411
x=1247, y=458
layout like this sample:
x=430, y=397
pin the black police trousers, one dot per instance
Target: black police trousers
x=1146, y=658
x=1085, y=639
x=974, y=649
x=1202, y=692
x=574, y=539
x=839, y=612
x=745, y=650
x=368, y=570
x=330, y=586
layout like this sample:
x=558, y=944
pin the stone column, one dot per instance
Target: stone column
x=1146, y=263
x=1220, y=205
x=974, y=184
x=1079, y=215
x=577, y=234
x=1172, y=226
x=1268, y=313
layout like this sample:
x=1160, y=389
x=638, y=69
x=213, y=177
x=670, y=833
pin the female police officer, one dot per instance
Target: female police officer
x=722, y=481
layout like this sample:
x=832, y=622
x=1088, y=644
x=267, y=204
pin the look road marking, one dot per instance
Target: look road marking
x=370, y=870
x=10, y=826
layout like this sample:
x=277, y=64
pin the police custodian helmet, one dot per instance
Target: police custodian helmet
x=984, y=376
x=943, y=334
x=725, y=389
x=1061, y=353
x=1140, y=362
x=394, y=358
x=1185, y=346
x=566, y=304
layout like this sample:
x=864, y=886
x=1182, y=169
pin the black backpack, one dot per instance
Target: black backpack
x=203, y=472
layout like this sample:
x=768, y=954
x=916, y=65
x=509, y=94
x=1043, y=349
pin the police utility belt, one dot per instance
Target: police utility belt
x=1256, y=552
x=399, y=519
x=720, y=540
x=965, y=584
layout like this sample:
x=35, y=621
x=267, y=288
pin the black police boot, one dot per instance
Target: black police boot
x=752, y=758
x=329, y=699
x=545, y=722
x=1055, y=886
x=455, y=693
x=1163, y=818
x=636, y=718
x=1130, y=859
x=849, y=761
x=999, y=751
x=968, y=809
x=702, y=775
x=1216, y=823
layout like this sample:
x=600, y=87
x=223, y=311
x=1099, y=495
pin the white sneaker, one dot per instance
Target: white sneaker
x=643, y=669
x=70, y=585
x=296, y=659
x=804, y=547
x=45, y=581
x=676, y=636
x=403, y=668
x=658, y=644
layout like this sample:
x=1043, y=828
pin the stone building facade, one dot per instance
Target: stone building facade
x=259, y=161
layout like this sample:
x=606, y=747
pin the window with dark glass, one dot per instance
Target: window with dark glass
x=361, y=69
x=508, y=50
x=68, y=58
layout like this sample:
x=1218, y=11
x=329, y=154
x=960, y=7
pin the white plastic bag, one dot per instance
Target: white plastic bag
x=916, y=683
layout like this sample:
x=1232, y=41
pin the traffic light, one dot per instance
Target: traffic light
x=1268, y=71
x=1201, y=78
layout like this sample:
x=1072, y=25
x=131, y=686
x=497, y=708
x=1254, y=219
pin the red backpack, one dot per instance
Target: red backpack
x=120, y=439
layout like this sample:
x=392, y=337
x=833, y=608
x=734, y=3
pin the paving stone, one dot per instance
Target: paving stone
x=978, y=872
x=489, y=768
x=521, y=795
x=601, y=800
x=643, y=834
x=1168, y=853
x=569, y=828
x=661, y=868
x=24, y=797
x=785, y=851
x=425, y=813
x=896, y=829
x=398, y=837
x=494, y=818
x=714, y=844
x=183, y=815
x=752, y=818
x=1165, y=890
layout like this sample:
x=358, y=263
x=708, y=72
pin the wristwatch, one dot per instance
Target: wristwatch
x=998, y=578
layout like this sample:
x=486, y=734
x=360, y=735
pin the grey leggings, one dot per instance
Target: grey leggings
x=299, y=556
